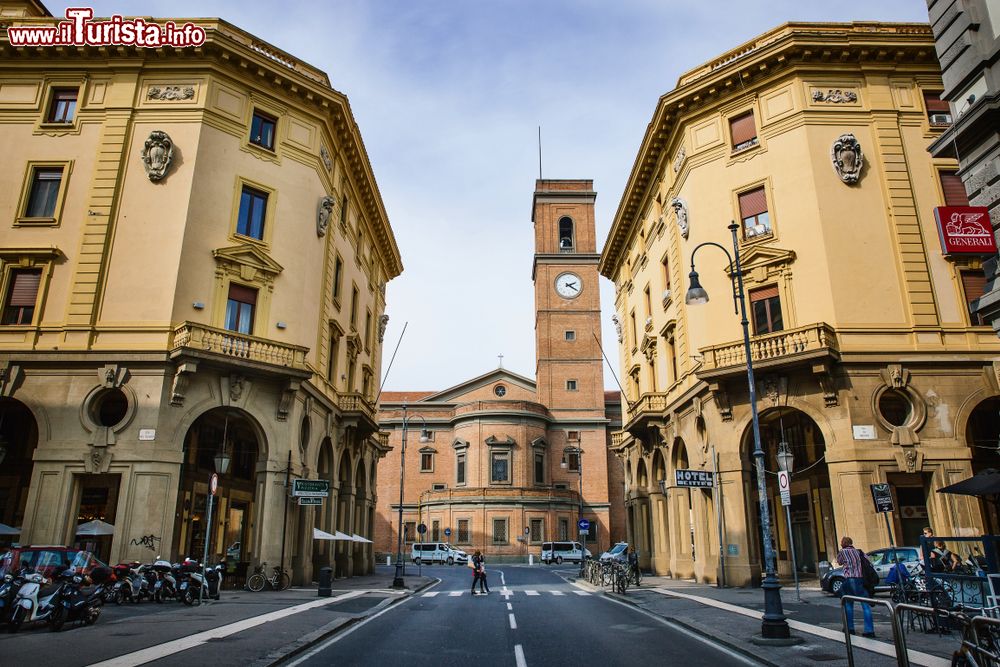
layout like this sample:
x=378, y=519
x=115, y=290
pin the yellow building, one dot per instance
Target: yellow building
x=193, y=256
x=813, y=138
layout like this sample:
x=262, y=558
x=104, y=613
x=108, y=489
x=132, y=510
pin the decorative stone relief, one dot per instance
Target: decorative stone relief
x=182, y=376
x=157, y=154
x=847, y=158
x=679, y=159
x=774, y=389
x=170, y=93
x=681, y=209
x=721, y=397
x=618, y=327
x=824, y=377
x=353, y=341
x=909, y=459
x=112, y=376
x=383, y=322
x=323, y=213
x=895, y=376
x=97, y=460
x=236, y=387
x=648, y=347
x=286, y=399
x=11, y=376
x=235, y=390
x=324, y=155
x=835, y=96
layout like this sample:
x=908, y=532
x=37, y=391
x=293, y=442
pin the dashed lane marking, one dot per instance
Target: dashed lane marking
x=519, y=656
x=509, y=606
x=582, y=592
x=513, y=623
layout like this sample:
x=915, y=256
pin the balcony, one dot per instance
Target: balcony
x=358, y=412
x=356, y=403
x=267, y=356
x=490, y=495
x=815, y=341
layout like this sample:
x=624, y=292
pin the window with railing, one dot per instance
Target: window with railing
x=766, y=308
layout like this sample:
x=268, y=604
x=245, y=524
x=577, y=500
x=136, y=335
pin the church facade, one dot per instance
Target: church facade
x=503, y=462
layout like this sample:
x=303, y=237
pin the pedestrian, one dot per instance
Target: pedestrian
x=850, y=558
x=946, y=559
x=633, y=564
x=474, y=564
x=482, y=577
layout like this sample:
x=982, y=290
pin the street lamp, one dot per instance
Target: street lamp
x=425, y=436
x=564, y=464
x=774, y=626
x=786, y=463
x=222, y=460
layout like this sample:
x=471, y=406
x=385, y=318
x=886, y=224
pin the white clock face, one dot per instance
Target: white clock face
x=569, y=285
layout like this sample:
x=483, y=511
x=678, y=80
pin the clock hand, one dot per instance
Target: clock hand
x=572, y=286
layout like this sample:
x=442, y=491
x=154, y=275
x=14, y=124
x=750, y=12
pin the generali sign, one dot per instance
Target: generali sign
x=965, y=230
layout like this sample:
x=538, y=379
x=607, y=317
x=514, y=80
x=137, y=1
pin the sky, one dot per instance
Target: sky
x=449, y=95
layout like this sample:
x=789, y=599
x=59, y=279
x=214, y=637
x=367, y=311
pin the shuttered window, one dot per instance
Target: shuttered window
x=743, y=131
x=240, y=308
x=974, y=286
x=954, y=189
x=766, y=310
x=499, y=531
x=63, y=105
x=938, y=111
x=21, y=297
x=44, y=194
x=754, y=214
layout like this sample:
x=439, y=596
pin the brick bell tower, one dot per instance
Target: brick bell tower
x=569, y=367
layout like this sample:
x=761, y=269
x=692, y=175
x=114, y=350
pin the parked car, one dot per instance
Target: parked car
x=617, y=552
x=557, y=552
x=437, y=552
x=883, y=561
x=48, y=560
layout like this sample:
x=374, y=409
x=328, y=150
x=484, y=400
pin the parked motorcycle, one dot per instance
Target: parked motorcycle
x=9, y=587
x=70, y=604
x=194, y=588
x=165, y=587
x=28, y=605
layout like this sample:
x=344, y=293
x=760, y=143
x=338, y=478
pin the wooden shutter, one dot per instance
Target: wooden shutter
x=973, y=284
x=24, y=291
x=763, y=293
x=753, y=203
x=954, y=189
x=742, y=128
x=243, y=294
x=935, y=104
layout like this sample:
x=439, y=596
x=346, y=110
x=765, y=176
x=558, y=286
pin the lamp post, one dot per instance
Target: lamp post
x=222, y=460
x=774, y=626
x=786, y=463
x=397, y=580
x=579, y=467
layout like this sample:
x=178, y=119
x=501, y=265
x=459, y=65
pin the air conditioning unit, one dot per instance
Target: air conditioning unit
x=940, y=119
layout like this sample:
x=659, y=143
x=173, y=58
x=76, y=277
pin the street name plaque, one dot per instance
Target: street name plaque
x=306, y=500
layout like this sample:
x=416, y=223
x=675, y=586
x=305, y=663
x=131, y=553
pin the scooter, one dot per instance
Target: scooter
x=71, y=604
x=28, y=606
x=9, y=587
x=209, y=587
x=165, y=587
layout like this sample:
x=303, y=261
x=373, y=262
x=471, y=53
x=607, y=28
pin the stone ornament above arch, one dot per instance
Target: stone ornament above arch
x=460, y=444
x=11, y=377
x=896, y=379
x=847, y=158
x=157, y=155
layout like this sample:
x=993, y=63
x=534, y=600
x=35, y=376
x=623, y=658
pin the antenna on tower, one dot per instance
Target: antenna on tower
x=539, y=152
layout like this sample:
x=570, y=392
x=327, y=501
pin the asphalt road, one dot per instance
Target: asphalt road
x=537, y=618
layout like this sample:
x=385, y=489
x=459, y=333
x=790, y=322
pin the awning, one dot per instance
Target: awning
x=323, y=535
x=9, y=530
x=358, y=538
x=983, y=484
x=95, y=527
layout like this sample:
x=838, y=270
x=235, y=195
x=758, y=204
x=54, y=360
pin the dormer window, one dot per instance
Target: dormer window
x=567, y=240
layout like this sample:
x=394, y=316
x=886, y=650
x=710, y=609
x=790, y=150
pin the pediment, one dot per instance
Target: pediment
x=493, y=441
x=456, y=393
x=760, y=256
x=248, y=256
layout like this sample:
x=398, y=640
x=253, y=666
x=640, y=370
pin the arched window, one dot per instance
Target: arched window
x=567, y=241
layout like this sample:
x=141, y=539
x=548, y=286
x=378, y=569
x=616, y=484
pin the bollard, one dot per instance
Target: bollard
x=325, y=582
x=531, y=559
x=388, y=560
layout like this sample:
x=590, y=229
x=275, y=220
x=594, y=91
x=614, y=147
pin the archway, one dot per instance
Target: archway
x=19, y=437
x=323, y=516
x=814, y=532
x=345, y=516
x=983, y=437
x=230, y=538
x=360, y=515
x=683, y=505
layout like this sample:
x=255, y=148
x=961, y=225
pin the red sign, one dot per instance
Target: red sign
x=214, y=484
x=965, y=230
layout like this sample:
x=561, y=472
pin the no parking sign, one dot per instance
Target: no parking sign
x=784, y=483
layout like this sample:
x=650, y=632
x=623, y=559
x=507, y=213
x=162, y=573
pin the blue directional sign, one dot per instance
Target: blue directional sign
x=422, y=528
x=447, y=532
x=583, y=524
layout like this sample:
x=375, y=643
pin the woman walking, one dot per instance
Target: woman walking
x=482, y=576
x=475, y=563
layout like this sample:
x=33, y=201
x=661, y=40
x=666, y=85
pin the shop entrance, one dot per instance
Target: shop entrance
x=98, y=501
x=910, y=491
x=19, y=433
x=983, y=437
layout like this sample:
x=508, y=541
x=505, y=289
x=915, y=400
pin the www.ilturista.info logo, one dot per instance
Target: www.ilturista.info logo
x=81, y=30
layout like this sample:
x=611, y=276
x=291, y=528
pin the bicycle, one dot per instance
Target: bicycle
x=278, y=581
x=621, y=578
x=977, y=649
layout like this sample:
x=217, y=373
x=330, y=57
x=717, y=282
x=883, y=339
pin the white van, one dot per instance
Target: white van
x=557, y=552
x=437, y=552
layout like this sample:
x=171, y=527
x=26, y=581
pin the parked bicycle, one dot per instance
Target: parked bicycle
x=980, y=645
x=279, y=579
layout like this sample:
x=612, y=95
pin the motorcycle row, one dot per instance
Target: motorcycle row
x=68, y=600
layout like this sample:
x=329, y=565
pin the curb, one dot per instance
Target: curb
x=309, y=640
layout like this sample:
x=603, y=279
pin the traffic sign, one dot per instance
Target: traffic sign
x=783, y=486
x=583, y=524
x=882, y=496
x=306, y=500
x=422, y=528
x=447, y=532
x=310, y=488
x=695, y=479
x=585, y=532
x=526, y=530
x=214, y=484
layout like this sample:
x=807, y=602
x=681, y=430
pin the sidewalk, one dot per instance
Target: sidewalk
x=732, y=616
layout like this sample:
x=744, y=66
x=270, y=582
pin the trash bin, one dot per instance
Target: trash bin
x=822, y=568
x=325, y=582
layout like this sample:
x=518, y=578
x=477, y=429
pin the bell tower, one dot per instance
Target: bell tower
x=569, y=366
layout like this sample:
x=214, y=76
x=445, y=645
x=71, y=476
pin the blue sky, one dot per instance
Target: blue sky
x=449, y=96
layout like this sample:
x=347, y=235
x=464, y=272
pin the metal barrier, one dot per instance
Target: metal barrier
x=898, y=637
x=976, y=648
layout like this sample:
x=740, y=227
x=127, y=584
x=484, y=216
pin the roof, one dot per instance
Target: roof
x=495, y=375
x=612, y=397
x=404, y=396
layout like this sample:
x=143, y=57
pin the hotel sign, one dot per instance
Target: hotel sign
x=695, y=479
x=965, y=230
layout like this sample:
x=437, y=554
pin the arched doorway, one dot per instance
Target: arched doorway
x=360, y=515
x=814, y=532
x=323, y=516
x=18, y=437
x=345, y=514
x=683, y=551
x=231, y=538
x=983, y=437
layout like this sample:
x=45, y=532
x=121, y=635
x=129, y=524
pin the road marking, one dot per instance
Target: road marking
x=506, y=593
x=502, y=581
x=519, y=656
x=513, y=623
x=509, y=606
x=557, y=592
x=531, y=592
x=454, y=594
x=432, y=594
x=176, y=646
x=581, y=592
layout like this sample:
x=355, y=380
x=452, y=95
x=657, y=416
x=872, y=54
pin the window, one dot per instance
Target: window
x=253, y=205
x=766, y=308
x=366, y=383
x=566, y=239
x=44, y=192
x=331, y=362
x=666, y=280
x=499, y=391
x=536, y=535
x=539, y=468
x=463, y=531
x=500, y=467
x=460, y=468
x=753, y=212
x=426, y=462
x=262, y=130
x=338, y=278
x=633, y=331
x=368, y=329
x=354, y=308
x=648, y=300
x=435, y=531
x=953, y=189
x=19, y=306
x=895, y=407
x=973, y=287
x=570, y=385
x=62, y=108
x=743, y=131
x=938, y=111
x=343, y=211
x=499, y=531
x=240, y=308
x=573, y=436
x=671, y=353
x=563, y=530
x=573, y=461
x=409, y=531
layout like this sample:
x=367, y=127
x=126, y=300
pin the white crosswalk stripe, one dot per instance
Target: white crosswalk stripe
x=581, y=592
x=531, y=592
x=454, y=594
x=432, y=594
x=557, y=592
x=505, y=594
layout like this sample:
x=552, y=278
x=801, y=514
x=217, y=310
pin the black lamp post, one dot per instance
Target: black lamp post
x=397, y=580
x=774, y=626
